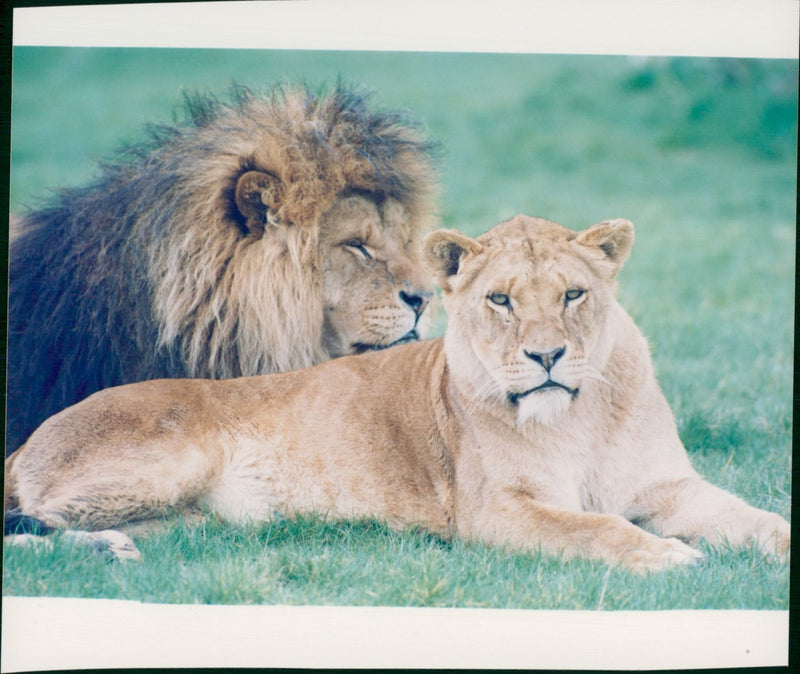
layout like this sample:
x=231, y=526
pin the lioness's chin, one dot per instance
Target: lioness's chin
x=544, y=407
x=361, y=347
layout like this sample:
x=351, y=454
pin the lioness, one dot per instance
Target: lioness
x=536, y=423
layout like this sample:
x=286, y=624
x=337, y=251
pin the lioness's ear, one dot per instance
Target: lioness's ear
x=256, y=195
x=444, y=250
x=613, y=237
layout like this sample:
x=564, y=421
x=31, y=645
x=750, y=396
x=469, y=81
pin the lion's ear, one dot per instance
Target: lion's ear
x=256, y=195
x=444, y=250
x=613, y=237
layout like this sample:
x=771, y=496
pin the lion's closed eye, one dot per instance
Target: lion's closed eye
x=359, y=247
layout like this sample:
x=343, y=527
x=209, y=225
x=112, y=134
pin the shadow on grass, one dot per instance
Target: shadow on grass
x=703, y=435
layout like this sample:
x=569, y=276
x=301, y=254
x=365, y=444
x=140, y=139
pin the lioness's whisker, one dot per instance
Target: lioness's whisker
x=482, y=394
x=592, y=373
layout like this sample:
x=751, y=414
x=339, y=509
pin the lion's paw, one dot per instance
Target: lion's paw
x=657, y=554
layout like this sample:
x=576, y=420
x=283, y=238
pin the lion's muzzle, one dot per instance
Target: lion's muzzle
x=410, y=336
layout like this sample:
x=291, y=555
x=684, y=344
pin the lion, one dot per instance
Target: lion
x=535, y=423
x=260, y=235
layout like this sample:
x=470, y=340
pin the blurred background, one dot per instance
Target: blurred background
x=573, y=138
x=699, y=153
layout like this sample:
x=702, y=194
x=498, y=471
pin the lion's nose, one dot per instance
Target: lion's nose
x=548, y=359
x=417, y=301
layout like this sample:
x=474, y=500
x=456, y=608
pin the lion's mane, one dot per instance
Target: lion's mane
x=150, y=270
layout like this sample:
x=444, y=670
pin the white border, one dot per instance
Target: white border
x=46, y=633
x=762, y=28
x=52, y=634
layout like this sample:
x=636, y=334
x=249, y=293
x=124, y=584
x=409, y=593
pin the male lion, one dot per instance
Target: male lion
x=260, y=236
x=535, y=423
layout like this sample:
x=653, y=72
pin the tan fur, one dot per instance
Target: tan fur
x=454, y=435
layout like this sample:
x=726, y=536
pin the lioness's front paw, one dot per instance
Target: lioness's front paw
x=773, y=536
x=657, y=554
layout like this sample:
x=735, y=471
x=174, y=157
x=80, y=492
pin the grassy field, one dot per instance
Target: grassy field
x=700, y=154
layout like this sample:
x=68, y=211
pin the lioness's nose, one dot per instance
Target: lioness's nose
x=417, y=301
x=548, y=359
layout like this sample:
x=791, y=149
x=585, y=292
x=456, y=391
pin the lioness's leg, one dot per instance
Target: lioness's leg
x=692, y=509
x=87, y=501
x=92, y=490
x=515, y=518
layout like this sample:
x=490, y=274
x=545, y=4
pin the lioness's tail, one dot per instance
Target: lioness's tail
x=15, y=522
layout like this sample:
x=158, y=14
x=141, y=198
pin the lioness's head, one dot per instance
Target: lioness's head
x=527, y=304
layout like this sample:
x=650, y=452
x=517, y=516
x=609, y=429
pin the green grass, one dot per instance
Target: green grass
x=699, y=153
x=311, y=561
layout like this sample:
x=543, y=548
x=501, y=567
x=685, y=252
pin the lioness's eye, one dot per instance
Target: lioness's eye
x=358, y=245
x=500, y=299
x=574, y=293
